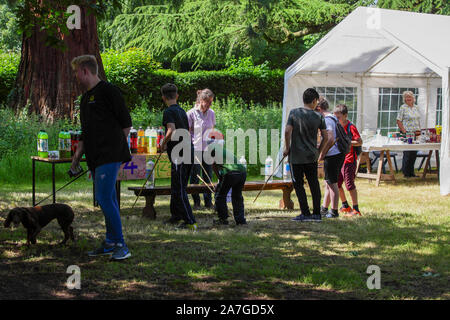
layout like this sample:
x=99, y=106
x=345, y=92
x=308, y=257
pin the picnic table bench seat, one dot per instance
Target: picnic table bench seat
x=150, y=194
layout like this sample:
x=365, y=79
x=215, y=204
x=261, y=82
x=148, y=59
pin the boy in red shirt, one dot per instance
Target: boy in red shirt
x=348, y=171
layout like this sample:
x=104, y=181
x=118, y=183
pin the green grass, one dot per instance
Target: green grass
x=404, y=230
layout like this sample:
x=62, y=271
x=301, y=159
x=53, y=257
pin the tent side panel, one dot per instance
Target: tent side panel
x=445, y=142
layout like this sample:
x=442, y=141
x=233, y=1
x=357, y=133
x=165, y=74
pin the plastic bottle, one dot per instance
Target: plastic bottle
x=153, y=138
x=62, y=144
x=159, y=139
x=148, y=168
x=68, y=144
x=287, y=170
x=148, y=132
x=243, y=162
x=42, y=144
x=133, y=140
x=141, y=140
x=269, y=168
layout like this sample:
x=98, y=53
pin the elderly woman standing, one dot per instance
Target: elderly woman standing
x=202, y=120
x=408, y=120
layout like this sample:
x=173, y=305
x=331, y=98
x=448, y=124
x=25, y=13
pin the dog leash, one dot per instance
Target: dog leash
x=76, y=178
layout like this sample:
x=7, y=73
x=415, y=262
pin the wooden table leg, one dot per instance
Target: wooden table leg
x=427, y=163
x=34, y=181
x=391, y=168
x=286, y=202
x=380, y=168
x=53, y=183
x=149, y=209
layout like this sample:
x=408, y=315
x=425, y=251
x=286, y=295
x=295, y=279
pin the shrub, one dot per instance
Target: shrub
x=9, y=63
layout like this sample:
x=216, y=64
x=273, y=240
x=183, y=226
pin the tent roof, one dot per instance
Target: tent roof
x=380, y=41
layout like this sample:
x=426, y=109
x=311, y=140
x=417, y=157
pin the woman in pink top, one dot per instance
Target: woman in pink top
x=201, y=122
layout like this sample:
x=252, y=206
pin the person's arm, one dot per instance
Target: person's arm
x=357, y=143
x=401, y=127
x=77, y=156
x=326, y=137
x=126, y=131
x=170, y=130
x=287, y=139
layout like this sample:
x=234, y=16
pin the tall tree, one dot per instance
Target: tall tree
x=45, y=83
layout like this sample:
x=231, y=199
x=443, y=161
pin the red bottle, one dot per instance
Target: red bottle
x=133, y=141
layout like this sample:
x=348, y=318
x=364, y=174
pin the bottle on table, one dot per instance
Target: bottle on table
x=147, y=140
x=141, y=140
x=62, y=144
x=269, y=168
x=133, y=140
x=243, y=162
x=42, y=144
x=67, y=145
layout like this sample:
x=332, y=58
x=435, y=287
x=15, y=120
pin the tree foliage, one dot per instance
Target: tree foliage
x=212, y=32
x=424, y=6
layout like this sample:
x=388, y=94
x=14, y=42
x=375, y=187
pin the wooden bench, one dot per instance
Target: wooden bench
x=150, y=194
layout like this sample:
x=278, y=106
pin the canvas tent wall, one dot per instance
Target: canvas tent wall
x=377, y=48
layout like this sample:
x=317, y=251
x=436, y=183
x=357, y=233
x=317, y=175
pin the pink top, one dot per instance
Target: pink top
x=199, y=126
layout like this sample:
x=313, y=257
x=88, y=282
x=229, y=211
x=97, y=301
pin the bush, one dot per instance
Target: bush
x=9, y=63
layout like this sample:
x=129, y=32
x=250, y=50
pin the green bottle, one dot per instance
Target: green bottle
x=42, y=144
x=68, y=144
x=62, y=144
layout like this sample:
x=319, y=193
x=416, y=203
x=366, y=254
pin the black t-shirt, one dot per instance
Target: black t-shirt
x=176, y=115
x=305, y=123
x=103, y=116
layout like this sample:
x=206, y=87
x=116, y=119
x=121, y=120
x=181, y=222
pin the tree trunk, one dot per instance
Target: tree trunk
x=45, y=82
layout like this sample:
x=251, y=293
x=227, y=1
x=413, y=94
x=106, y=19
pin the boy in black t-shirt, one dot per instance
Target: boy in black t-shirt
x=180, y=150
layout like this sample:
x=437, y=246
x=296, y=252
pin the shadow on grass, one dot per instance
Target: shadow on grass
x=270, y=258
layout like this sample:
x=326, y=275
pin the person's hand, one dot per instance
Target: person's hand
x=162, y=146
x=321, y=157
x=286, y=152
x=75, y=164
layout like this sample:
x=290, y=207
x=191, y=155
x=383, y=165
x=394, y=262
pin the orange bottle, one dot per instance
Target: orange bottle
x=141, y=140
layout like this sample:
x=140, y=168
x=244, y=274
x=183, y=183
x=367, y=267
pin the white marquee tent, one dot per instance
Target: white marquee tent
x=376, y=48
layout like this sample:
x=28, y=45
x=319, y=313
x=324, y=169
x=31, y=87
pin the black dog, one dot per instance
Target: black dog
x=36, y=218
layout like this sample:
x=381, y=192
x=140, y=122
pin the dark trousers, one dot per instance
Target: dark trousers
x=310, y=171
x=180, y=207
x=197, y=170
x=236, y=181
x=408, y=162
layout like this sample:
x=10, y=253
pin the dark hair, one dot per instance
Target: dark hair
x=309, y=95
x=169, y=91
x=341, y=108
x=323, y=104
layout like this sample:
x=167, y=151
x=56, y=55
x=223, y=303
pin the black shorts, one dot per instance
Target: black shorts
x=332, y=166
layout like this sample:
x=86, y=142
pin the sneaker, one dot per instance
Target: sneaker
x=243, y=223
x=103, y=250
x=220, y=222
x=302, y=218
x=332, y=215
x=345, y=210
x=209, y=206
x=323, y=211
x=121, y=252
x=353, y=213
x=316, y=218
x=196, y=206
x=185, y=225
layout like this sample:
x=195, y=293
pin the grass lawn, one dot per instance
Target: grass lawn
x=404, y=230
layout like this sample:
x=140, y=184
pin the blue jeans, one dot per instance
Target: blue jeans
x=105, y=193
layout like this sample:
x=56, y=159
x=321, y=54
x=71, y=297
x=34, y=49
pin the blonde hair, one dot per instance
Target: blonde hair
x=408, y=93
x=86, y=61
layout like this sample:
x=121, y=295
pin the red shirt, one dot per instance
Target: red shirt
x=351, y=156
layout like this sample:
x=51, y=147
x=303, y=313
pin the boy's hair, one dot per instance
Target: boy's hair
x=87, y=61
x=309, y=95
x=341, y=108
x=169, y=91
x=323, y=104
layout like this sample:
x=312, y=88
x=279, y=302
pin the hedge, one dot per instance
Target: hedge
x=138, y=76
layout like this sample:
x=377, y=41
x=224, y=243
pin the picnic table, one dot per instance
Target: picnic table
x=150, y=194
x=385, y=153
